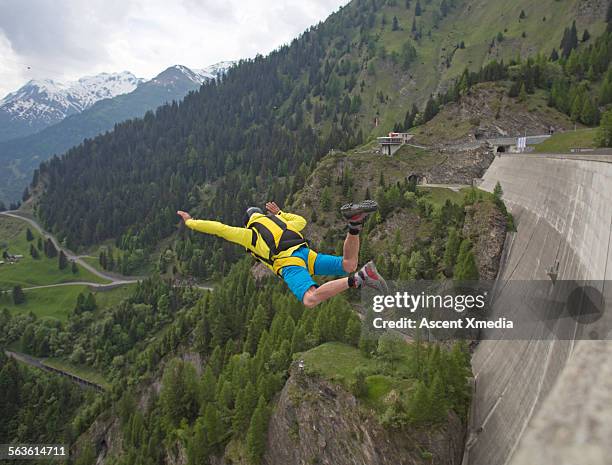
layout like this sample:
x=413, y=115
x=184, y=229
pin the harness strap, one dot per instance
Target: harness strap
x=280, y=263
x=312, y=256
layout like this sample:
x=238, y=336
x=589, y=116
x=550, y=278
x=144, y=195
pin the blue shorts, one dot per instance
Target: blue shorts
x=298, y=278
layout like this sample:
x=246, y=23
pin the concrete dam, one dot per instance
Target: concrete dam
x=540, y=400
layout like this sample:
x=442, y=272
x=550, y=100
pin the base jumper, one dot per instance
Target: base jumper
x=275, y=239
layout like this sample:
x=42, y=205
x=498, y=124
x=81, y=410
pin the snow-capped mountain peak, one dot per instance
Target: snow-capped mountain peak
x=214, y=71
x=90, y=89
x=41, y=102
x=199, y=76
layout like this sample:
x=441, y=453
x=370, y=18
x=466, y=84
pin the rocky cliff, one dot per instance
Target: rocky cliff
x=317, y=422
x=485, y=226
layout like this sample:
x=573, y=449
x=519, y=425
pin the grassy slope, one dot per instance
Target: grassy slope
x=53, y=302
x=564, y=142
x=58, y=302
x=29, y=272
x=439, y=195
x=336, y=361
x=476, y=23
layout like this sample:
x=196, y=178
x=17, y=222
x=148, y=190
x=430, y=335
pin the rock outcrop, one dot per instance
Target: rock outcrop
x=317, y=422
x=485, y=226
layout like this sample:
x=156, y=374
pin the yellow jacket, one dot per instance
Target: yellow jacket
x=244, y=236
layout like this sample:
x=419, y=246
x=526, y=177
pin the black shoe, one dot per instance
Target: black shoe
x=357, y=211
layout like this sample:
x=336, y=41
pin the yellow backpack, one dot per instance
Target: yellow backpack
x=275, y=241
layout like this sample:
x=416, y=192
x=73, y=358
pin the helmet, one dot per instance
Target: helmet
x=249, y=212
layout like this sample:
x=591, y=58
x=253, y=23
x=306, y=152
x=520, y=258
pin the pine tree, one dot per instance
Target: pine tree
x=74, y=267
x=80, y=304
x=522, y=96
x=604, y=133
x=326, y=199
x=29, y=235
x=395, y=26
x=18, y=295
x=586, y=35
x=590, y=113
x=256, y=435
x=213, y=427
x=451, y=249
x=102, y=259
x=522, y=15
x=498, y=192
x=569, y=41
x=50, y=249
x=198, y=450
x=208, y=386
x=419, y=407
x=34, y=252
x=431, y=109
x=444, y=8
x=246, y=401
x=62, y=260
x=417, y=8
x=605, y=94
x=90, y=303
x=437, y=397
x=554, y=55
x=576, y=108
x=466, y=269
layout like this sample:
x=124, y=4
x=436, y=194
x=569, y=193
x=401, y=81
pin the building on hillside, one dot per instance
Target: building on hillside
x=518, y=144
x=391, y=143
x=11, y=258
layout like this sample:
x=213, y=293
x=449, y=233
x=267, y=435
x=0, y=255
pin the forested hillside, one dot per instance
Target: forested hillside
x=259, y=132
x=36, y=405
x=21, y=156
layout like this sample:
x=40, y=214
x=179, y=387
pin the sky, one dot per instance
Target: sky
x=66, y=39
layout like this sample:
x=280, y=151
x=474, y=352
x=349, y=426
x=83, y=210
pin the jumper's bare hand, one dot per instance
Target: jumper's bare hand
x=272, y=208
x=186, y=216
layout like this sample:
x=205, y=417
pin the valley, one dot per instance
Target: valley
x=203, y=356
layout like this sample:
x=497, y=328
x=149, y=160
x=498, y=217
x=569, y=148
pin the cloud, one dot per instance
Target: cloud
x=65, y=39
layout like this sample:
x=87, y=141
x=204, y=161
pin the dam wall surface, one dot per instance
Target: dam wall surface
x=526, y=407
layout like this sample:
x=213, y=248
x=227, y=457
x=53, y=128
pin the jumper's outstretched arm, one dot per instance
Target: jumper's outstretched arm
x=240, y=236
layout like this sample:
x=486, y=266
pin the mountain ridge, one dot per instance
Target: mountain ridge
x=42, y=102
x=20, y=156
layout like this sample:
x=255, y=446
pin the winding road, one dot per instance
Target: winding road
x=114, y=278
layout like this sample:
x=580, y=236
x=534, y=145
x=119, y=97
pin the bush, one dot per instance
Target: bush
x=359, y=387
